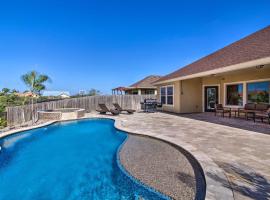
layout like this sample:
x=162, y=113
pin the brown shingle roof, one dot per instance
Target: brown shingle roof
x=252, y=47
x=147, y=82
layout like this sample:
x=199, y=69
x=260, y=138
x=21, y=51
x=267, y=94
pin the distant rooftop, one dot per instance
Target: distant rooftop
x=147, y=82
x=55, y=93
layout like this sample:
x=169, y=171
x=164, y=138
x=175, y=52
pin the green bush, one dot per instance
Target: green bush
x=3, y=123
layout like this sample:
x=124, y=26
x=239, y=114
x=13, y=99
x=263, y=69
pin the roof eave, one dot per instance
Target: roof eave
x=244, y=65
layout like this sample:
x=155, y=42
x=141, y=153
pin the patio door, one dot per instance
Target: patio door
x=210, y=98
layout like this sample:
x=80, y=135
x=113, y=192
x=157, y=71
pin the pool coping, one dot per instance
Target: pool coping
x=214, y=189
x=130, y=176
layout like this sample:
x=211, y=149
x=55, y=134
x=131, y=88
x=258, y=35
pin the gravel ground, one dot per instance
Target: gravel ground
x=162, y=166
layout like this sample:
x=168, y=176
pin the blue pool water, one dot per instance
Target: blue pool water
x=70, y=160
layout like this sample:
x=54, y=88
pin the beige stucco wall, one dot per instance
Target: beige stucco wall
x=237, y=76
x=176, y=107
x=188, y=94
x=191, y=95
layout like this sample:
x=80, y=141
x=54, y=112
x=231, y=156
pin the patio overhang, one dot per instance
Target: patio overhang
x=231, y=68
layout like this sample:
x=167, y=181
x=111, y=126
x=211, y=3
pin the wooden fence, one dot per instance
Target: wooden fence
x=21, y=114
x=3, y=115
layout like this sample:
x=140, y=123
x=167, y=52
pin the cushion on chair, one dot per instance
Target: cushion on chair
x=262, y=106
x=250, y=106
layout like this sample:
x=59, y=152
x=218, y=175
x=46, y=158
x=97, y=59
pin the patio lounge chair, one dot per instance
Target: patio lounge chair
x=220, y=109
x=118, y=107
x=104, y=109
x=263, y=115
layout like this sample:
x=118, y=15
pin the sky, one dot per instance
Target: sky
x=84, y=44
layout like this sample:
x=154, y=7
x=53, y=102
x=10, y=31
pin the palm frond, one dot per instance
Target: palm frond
x=35, y=81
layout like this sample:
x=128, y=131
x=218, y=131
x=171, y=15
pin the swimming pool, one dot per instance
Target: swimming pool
x=67, y=160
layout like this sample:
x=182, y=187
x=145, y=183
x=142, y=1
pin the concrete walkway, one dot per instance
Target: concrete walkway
x=243, y=155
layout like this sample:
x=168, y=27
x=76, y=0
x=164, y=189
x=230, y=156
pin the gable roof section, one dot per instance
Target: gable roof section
x=252, y=47
x=147, y=82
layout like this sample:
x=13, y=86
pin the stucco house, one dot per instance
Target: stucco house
x=58, y=94
x=234, y=75
x=27, y=94
x=144, y=86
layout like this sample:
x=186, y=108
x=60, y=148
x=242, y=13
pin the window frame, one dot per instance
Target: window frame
x=257, y=81
x=243, y=95
x=244, y=90
x=166, y=94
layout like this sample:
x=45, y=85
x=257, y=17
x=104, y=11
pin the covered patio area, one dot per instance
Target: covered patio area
x=235, y=122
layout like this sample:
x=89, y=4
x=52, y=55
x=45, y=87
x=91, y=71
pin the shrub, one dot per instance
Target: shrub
x=3, y=123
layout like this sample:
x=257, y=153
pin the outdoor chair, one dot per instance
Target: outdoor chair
x=222, y=110
x=262, y=107
x=263, y=115
x=119, y=108
x=254, y=110
x=104, y=109
x=248, y=108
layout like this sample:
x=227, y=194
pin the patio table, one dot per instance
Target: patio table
x=235, y=111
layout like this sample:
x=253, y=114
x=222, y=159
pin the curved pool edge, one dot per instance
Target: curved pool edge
x=131, y=177
x=118, y=162
x=23, y=129
x=214, y=189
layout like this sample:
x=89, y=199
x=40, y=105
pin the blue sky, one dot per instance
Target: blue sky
x=103, y=44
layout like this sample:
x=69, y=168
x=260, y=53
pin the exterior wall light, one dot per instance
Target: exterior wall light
x=259, y=66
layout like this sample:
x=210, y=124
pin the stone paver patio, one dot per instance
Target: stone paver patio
x=243, y=155
x=235, y=122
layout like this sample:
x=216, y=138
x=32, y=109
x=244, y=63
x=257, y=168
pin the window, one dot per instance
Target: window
x=258, y=92
x=234, y=95
x=166, y=95
x=163, y=95
x=170, y=95
x=135, y=92
x=149, y=91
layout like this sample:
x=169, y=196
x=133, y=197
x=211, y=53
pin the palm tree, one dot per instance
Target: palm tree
x=35, y=82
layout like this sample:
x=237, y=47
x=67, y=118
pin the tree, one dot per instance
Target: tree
x=94, y=92
x=35, y=82
x=14, y=91
x=5, y=90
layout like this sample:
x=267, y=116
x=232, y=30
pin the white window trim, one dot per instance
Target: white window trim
x=225, y=94
x=166, y=86
x=244, y=90
x=203, y=95
x=256, y=81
